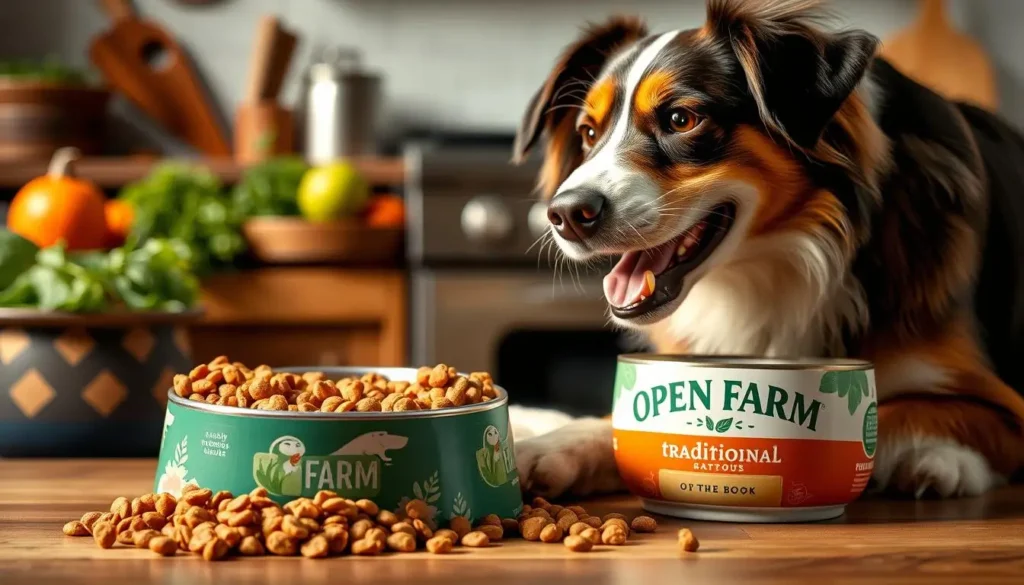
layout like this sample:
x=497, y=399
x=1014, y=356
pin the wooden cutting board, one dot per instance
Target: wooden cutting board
x=145, y=63
x=935, y=54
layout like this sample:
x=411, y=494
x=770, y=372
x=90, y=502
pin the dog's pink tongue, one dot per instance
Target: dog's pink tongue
x=625, y=283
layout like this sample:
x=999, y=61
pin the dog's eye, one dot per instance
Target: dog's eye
x=588, y=134
x=682, y=121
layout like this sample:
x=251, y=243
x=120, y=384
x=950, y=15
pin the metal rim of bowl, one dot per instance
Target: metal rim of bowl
x=392, y=373
x=749, y=363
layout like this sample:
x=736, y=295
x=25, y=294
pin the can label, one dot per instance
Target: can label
x=743, y=437
x=460, y=465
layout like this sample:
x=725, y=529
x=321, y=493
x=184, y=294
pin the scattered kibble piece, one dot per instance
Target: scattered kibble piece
x=687, y=541
x=475, y=539
x=551, y=533
x=76, y=528
x=592, y=535
x=644, y=524
x=577, y=543
x=494, y=533
x=439, y=545
x=217, y=525
x=613, y=535
x=163, y=546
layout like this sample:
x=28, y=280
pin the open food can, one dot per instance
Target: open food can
x=745, y=440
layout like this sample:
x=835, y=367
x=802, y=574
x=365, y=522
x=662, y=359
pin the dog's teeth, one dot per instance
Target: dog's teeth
x=681, y=250
x=643, y=298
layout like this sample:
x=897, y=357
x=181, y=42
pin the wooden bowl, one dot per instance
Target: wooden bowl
x=87, y=385
x=37, y=118
x=291, y=240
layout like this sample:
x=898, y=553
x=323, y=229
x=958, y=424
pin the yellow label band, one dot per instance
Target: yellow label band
x=718, y=489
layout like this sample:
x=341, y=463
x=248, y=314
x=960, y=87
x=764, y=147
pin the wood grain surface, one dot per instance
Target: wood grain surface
x=971, y=541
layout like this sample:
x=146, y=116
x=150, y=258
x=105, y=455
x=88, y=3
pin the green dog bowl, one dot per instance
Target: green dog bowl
x=460, y=460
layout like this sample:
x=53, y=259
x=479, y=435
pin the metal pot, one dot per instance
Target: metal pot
x=338, y=110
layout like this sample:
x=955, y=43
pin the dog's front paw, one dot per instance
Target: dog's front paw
x=576, y=458
x=929, y=466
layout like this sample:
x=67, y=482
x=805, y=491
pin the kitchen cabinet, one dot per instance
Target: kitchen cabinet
x=304, y=316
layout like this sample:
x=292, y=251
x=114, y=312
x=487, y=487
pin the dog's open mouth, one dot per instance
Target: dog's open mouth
x=644, y=280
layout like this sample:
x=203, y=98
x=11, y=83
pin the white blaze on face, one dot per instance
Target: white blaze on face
x=606, y=171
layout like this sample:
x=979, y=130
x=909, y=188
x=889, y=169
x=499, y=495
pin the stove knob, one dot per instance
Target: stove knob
x=538, y=219
x=485, y=218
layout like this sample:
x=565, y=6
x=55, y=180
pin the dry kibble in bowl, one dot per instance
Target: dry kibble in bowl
x=262, y=388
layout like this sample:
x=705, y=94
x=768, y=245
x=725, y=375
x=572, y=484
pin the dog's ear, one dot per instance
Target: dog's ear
x=575, y=70
x=798, y=72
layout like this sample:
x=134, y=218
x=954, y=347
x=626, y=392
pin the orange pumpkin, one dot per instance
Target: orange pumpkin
x=58, y=207
x=385, y=211
x=119, y=217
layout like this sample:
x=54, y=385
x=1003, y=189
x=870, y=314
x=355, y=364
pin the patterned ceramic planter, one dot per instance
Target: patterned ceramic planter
x=460, y=460
x=87, y=385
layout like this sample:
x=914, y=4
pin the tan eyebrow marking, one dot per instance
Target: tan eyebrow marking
x=654, y=89
x=599, y=100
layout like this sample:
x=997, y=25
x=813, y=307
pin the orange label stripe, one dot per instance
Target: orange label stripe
x=741, y=471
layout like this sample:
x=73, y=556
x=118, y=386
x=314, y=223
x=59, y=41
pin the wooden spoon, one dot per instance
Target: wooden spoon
x=933, y=53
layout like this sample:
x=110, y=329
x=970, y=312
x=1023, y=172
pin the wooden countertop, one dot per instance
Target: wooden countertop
x=972, y=541
x=113, y=171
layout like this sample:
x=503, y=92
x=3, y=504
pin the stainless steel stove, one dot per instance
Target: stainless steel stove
x=484, y=298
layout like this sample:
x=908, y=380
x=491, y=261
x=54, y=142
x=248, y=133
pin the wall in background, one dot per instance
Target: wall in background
x=465, y=64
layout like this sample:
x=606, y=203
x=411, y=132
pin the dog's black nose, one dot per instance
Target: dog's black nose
x=576, y=213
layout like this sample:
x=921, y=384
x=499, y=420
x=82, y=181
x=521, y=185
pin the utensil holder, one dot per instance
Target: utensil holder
x=262, y=130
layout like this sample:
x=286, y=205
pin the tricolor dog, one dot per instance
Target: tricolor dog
x=772, y=187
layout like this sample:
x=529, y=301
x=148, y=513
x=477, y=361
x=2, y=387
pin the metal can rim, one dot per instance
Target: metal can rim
x=750, y=363
x=392, y=373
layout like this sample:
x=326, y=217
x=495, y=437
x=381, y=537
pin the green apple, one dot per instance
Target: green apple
x=332, y=191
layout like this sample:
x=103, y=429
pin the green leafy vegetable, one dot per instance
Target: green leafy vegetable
x=270, y=188
x=187, y=203
x=16, y=256
x=156, y=276
x=48, y=70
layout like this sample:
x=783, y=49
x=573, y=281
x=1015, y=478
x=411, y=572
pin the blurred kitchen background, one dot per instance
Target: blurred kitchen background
x=322, y=182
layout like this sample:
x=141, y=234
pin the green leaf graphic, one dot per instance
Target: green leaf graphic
x=709, y=423
x=626, y=376
x=859, y=380
x=853, y=400
x=723, y=425
x=853, y=386
x=843, y=382
x=829, y=383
